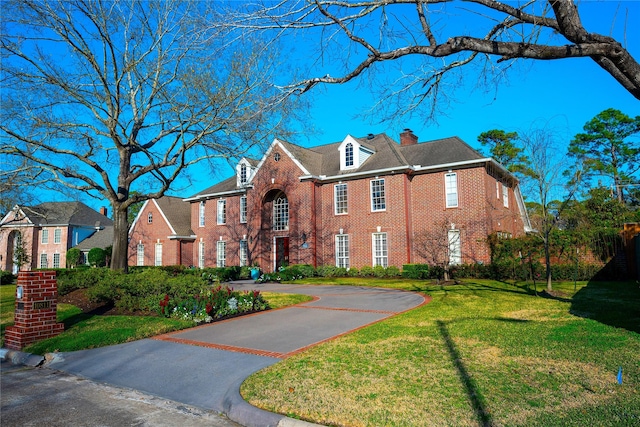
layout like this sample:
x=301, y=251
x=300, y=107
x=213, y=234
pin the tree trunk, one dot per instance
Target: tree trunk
x=547, y=261
x=120, y=253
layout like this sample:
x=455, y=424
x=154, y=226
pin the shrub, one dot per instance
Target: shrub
x=415, y=271
x=392, y=271
x=6, y=277
x=245, y=272
x=97, y=257
x=353, y=272
x=73, y=257
x=379, y=271
x=341, y=272
x=366, y=271
x=307, y=270
x=327, y=271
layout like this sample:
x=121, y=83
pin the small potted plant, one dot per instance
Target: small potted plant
x=255, y=271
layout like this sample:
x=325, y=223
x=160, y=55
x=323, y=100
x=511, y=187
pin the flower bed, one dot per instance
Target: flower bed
x=217, y=303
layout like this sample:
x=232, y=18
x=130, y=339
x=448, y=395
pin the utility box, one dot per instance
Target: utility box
x=35, y=310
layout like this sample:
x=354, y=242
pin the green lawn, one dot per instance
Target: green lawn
x=83, y=331
x=481, y=353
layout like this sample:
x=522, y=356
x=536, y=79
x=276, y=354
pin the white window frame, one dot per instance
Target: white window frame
x=158, y=254
x=201, y=214
x=451, y=190
x=380, y=249
x=341, y=199
x=140, y=254
x=281, y=213
x=342, y=251
x=221, y=253
x=57, y=235
x=221, y=212
x=244, y=253
x=243, y=209
x=505, y=195
x=498, y=190
x=243, y=174
x=201, y=254
x=44, y=262
x=45, y=236
x=56, y=260
x=378, y=195
x=150, y=218
x=349, y=158
x=455, y=247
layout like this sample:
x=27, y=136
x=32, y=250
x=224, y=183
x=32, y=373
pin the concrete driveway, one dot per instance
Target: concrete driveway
x=205, y=366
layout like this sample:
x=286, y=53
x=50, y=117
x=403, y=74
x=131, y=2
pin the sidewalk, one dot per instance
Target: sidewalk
x=205, y=366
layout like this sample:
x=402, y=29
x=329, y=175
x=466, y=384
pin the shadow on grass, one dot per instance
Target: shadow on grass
x=476, y=398
x=77, y=318
x=611, y=303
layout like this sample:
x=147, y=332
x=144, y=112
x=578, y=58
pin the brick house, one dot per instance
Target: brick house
x=47, y=231
x=359, y=202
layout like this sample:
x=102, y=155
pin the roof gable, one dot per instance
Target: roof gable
x=60, y=213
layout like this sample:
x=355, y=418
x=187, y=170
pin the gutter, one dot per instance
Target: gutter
x=214, y=195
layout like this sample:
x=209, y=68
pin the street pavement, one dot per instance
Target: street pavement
x=202, y=368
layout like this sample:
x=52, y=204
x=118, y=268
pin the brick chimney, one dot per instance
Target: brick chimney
x=103, y=210
x=408, y=138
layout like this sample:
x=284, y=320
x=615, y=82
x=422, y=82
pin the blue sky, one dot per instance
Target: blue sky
x=561, y=94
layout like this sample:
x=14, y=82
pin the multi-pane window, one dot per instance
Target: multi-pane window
x=378, y=199
x=342, y=251
x=158, y=258
x=56, y=260
x=451, y=189
x=340, y=197
x=221, y=256
x=244, y=253
x=505, y=196
x=281, y=213
x=455, y=250
x=150, y=218
x=243, y=174
x=201, y=254
x=57, y=235
x=348, y=155
x=140, y=254
x=380, y=250
x=43, y=261
x=45, y=236
x=222, y=211
x=201, y=214
x=243, y=209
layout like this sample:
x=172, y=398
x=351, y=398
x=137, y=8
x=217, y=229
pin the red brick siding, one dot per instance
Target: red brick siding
x=149, y=235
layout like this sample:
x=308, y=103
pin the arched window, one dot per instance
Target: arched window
x=281, y=213
x=348, y=155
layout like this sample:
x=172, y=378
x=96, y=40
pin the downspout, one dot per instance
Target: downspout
x=407, y=218
x=314, y=225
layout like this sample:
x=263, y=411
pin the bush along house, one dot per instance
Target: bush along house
x=360, y=202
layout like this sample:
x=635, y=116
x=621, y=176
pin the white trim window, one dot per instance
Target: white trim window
x=378, y=198
x=221, y=253
x=498, y=190
x=140, y=254
x=56, y=260
x=150, y=218
x=44, y=262
x=348, y=155
x=222, y=212
x=243, y=209
x=201, y=212
x=505, y=195
x=243, y=174
x=281, y=213
x=455, y=248
x=451, y=189
x=380, y=249
x=342, y=251
x=201, y=254
x=340, y=198
x=45, y=236
x=158, y=257
x=244, y=253
x=57, y=235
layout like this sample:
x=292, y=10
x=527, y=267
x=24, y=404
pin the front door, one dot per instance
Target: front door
x=282, y=252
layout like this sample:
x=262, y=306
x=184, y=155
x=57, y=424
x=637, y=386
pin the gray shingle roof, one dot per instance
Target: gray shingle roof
x=65, y=213
x=178, y=213
x=99, y=239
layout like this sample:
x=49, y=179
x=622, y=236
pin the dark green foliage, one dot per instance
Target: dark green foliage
x=353, y=272
x=97, y=257
x=6, y=277
x=73, y=257
x=392, y=271
x=366, y=271
x=504, y=150
x=327, y=271
x=379, y=271
x=415, y=271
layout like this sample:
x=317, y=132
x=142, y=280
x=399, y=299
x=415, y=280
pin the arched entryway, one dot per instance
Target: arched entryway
x=275, y=228
x=15, y=251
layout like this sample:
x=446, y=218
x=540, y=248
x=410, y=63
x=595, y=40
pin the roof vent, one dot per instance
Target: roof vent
x=370, y=136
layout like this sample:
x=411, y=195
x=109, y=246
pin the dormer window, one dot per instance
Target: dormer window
x=244, y=172
x=348, y=155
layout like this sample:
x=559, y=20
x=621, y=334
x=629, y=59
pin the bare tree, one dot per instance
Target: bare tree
x=441, y=36
x=439, y=245
x=114, y=96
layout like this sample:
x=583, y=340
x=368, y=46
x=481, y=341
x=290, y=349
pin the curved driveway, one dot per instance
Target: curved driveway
x=205, y=366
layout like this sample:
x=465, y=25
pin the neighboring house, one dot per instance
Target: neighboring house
x=359, y=202
x=47, y=231
x=161, y=233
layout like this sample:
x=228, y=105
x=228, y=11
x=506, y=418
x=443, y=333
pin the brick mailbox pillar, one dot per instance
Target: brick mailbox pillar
x=36, y=306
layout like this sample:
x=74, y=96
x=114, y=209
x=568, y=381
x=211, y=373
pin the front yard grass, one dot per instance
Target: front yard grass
x=84, y=331
x=480, y=353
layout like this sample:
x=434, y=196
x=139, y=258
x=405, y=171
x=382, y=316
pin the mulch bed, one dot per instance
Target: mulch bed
x=79, y=299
